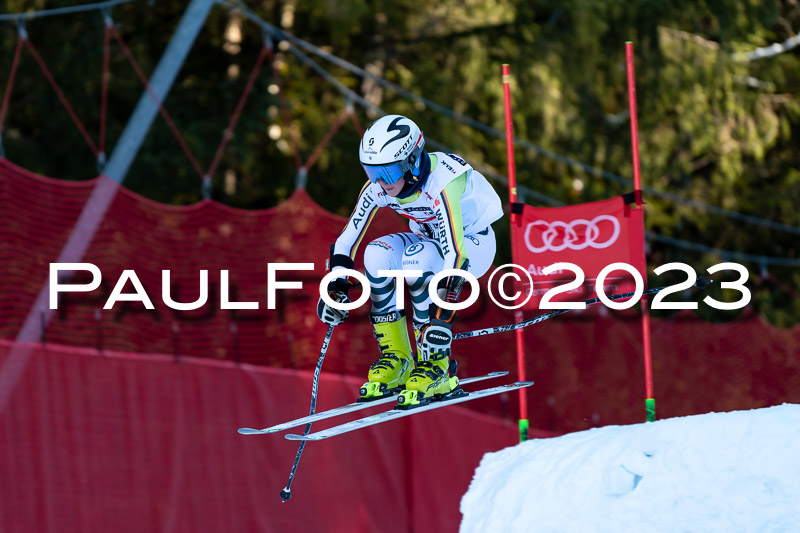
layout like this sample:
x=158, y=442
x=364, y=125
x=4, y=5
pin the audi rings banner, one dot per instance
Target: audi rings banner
x=592, y=236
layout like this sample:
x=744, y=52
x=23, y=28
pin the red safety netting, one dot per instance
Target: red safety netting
x=587, y=365
x=124, y=443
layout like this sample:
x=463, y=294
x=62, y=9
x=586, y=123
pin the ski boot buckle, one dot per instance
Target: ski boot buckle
x=374, y=390
x=411, y=398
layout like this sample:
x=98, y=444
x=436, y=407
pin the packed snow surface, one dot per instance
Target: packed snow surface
x=720, y=472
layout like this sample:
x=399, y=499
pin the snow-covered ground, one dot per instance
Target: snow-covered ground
x=720, y=472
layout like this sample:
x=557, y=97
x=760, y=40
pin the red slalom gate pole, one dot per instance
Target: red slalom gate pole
x=650, y=402
x=512, y=197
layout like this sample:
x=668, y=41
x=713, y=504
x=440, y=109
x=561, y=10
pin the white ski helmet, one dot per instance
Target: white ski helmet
x=391, y=149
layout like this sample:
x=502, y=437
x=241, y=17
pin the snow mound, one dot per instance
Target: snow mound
x=720, y=472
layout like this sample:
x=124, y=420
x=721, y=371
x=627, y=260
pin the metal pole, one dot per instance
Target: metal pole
x=512, y=197
x=103, y=194
x=650, y=402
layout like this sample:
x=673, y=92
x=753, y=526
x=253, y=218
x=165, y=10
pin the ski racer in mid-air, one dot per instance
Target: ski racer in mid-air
x=450, y=207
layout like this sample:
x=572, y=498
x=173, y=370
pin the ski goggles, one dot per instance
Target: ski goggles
x=389, y=173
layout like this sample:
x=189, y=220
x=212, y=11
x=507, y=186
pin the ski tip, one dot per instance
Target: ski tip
x=523, y=383
x=498, y=374
x=249, y=431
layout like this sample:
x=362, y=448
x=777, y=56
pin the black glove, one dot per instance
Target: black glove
x=338, y=291
x=436, y=336
x=434, y=340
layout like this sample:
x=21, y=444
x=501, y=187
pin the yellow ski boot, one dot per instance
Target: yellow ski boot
x=390, y=372
x=434, y=378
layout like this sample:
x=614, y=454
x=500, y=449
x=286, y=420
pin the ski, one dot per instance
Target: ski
x=350, y=408
x=393, y=414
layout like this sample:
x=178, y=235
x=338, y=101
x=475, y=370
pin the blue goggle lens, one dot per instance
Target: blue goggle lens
x=389, y=173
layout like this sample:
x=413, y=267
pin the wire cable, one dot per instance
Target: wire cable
x=281, y=34
x=228, y=133
x=167, y=118
x=62, y=10
x=61, y=96
x=12, y=75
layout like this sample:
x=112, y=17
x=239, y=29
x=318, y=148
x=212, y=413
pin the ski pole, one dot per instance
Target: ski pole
x=700, y=284
x=286, y=493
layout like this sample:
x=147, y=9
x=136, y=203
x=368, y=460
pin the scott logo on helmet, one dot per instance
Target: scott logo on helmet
x=401, y=129
x=404, y=147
